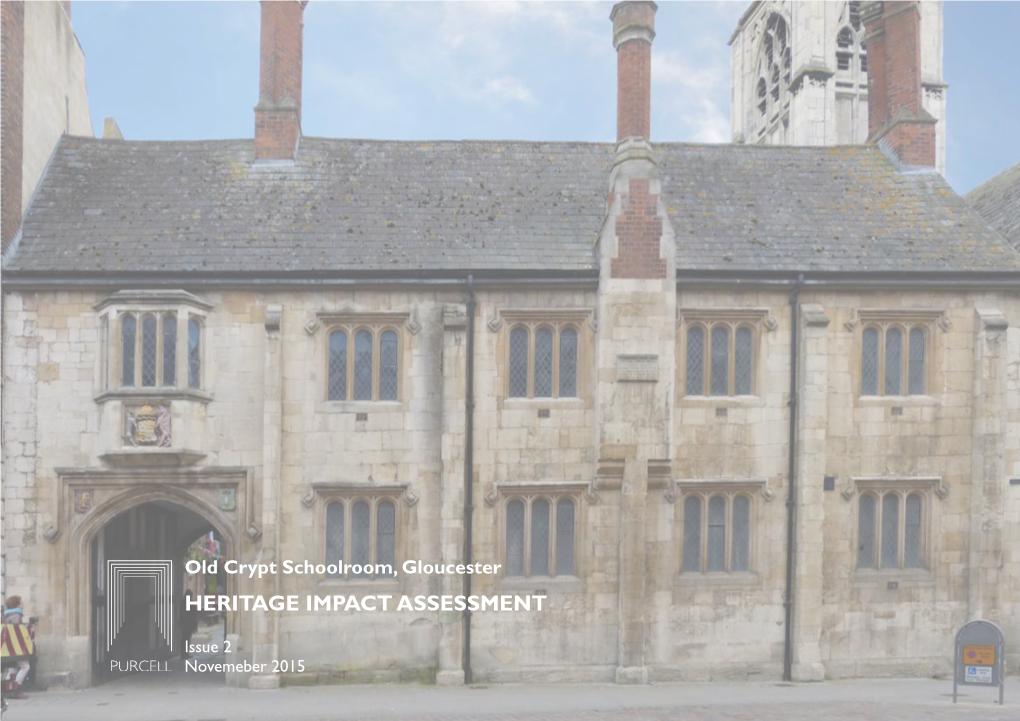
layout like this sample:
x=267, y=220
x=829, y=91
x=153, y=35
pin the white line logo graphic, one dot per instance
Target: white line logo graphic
x=161, y=573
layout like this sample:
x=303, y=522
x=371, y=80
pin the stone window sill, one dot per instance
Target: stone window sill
x=154, y=393
x=511, y=404
x=906, y=578
x=722, y=401
x=882, y=401
x=720, y=579
x=361, y=406
x=548, y=584
x=360, y=587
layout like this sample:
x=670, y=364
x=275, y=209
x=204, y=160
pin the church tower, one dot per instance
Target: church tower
x=800, y=74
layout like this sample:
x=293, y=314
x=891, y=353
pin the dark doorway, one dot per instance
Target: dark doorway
x=153, y=531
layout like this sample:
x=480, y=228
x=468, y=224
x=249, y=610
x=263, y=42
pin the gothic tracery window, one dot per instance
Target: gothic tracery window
x=851, y=55
x=774, y=71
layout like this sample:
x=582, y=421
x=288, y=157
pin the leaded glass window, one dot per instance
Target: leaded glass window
x=912, y=533
x=519, y=363
x=338, y=365
x=866, y=532
x=568, y=363
x=915, y=372
x=169, y=350
x=366, y=529
x=743, y=361
x=388, y=366
x=869, y=362
x=335, y=534
x=720, y=358
x=386, y=533
x=540, y=536
x=893, y=362
x=720, y=361
x=148, y=349
x=890, y=530
x=150, y=341
x=194, y=353
x=363, y=366
x=565, y=537
x=717, y=540
x=543, y=362
x=692, y=535
x=128, y=326
x=695, y=360
x=104, y=350
x=740, y=547
x=717, y=533
x=361, y=540
x=515, y=538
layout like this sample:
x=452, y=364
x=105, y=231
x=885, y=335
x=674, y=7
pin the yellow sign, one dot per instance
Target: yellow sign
x=979, y=655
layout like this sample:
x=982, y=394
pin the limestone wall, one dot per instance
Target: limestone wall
x=698, y=626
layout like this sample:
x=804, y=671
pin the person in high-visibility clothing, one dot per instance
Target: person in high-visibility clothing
x=15, y=614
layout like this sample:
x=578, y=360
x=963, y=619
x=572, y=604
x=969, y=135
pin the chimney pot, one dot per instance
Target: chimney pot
x=633, y=32
x=278, y=114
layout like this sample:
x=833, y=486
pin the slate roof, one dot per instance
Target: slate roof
x=350, y=206
x=833, y=209
x=997, y=200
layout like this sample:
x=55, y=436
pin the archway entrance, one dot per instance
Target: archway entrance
x=147, y=610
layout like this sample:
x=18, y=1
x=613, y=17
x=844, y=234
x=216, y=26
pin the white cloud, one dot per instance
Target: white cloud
x=505, y=90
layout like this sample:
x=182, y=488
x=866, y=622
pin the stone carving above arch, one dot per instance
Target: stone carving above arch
x=104, y=485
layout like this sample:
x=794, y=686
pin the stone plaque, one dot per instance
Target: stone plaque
x=637, y=368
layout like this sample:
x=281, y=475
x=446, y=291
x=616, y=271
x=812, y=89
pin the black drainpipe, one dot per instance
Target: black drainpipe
x=791, y=501
x=469, y=444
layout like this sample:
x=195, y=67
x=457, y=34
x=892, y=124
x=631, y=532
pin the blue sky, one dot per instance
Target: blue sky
x=506, y=70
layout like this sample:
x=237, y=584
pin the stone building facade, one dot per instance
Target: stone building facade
x=44, y=97
x=800, y=74
x=739, y=411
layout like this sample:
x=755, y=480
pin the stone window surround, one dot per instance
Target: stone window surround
x=931, y=320
x=403, y=323
x=931, y=489
x=759, y=320
x=553, y=493
x=580, y=319
x=320, y=495
x=678, y=491
x=111, y=310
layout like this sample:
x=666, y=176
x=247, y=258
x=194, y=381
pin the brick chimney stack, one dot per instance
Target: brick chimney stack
x=897, y=120
x=633, y=32
x=278, y=114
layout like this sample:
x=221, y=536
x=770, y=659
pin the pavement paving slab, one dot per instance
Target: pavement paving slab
x=178, y=697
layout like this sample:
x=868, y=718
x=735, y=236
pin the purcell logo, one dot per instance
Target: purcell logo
x=162, y=575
